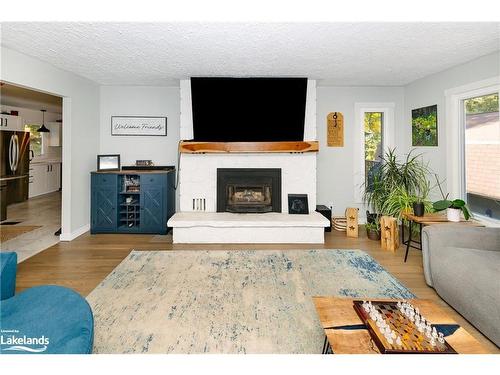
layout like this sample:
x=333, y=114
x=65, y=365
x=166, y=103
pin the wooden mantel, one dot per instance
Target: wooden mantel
x=191, y=147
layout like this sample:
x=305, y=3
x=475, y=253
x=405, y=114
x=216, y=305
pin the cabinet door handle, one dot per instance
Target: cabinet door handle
x=6, y=122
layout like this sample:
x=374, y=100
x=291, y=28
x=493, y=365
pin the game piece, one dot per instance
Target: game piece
x=398, y=341
x=434, y=332
x=441, y=337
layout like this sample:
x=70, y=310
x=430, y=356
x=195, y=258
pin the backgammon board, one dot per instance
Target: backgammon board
x=410, y=340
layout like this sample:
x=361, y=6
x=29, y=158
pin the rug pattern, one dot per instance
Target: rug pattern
x=228, y=301
x=8, y=232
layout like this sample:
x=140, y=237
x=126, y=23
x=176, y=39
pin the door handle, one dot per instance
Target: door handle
x=16, y=149
x=11, y=143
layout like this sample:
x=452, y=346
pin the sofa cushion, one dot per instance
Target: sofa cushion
x=468, y=279
x=46, y=319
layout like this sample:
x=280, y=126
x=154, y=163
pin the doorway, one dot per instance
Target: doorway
x=31, y=207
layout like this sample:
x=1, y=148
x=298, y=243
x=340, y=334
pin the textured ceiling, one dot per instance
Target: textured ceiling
x=337, y=53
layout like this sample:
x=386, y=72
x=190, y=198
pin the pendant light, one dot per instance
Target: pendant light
x=43, y=129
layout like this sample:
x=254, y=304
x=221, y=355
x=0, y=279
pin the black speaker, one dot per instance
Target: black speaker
x=326, y=212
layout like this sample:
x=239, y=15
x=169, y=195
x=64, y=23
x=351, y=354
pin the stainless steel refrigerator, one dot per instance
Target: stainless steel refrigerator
x=14, y=173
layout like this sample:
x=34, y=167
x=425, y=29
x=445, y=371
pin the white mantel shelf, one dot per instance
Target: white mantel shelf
x=225, y=227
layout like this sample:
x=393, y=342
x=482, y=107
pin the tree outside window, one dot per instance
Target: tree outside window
x=36, y=138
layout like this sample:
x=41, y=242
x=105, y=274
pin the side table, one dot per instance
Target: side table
x=421, y=221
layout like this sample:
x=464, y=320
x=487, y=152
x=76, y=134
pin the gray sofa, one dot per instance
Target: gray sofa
x=462, y=264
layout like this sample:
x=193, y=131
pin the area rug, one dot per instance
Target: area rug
x=228, y=301
x=9, y=232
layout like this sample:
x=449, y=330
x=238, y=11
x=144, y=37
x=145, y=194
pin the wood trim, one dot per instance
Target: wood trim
x=191, y=147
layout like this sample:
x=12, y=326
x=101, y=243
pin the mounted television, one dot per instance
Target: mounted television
x=248, y=109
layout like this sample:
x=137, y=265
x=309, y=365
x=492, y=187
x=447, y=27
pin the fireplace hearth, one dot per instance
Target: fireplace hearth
x=249, y=190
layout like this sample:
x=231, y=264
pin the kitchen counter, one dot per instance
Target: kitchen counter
x=45, y=161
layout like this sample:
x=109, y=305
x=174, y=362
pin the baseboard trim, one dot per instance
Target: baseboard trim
x=76, y=233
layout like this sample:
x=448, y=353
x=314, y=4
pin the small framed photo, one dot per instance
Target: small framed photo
x=108, y=162
x=297, y=204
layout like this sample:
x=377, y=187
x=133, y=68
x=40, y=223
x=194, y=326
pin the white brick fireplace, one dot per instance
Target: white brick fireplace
x=198, y=176
x=199, y=223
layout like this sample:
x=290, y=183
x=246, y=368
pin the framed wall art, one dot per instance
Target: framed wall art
x=424, y=130
x=298, y=204
x=138, y=125
x=108, y=162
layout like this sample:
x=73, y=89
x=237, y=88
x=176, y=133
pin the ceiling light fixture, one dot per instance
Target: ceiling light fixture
x=43, y=129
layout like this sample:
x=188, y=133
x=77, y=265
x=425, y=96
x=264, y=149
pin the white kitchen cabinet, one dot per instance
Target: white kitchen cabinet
x=8, y=122
x=44, y=178
x=55, y=136
x=38, y=180
x=54, y=177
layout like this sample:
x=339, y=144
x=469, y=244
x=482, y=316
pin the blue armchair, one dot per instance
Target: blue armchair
x=45, y=319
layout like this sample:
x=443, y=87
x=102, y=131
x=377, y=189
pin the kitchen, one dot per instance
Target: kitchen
x=31, y=178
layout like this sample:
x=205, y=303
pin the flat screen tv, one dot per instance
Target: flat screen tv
x=248, y=109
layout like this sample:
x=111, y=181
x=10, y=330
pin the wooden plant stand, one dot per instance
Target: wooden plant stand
x=389, y=233
x=352, y=221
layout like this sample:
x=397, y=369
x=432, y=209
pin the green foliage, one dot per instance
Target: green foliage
x=482, y=104
x=397, y=184
x=424, y=129
x=457, y=203
x=375, y=225
x=373, y=134
x=446, y=203
x=399, y=201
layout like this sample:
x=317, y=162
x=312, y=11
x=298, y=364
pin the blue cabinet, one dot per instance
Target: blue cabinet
x=104, y=202
x=132, y=201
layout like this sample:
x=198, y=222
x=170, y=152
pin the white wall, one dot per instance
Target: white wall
x=335, y=181
x=430, y=90
x=80, y=132
x=140, y=101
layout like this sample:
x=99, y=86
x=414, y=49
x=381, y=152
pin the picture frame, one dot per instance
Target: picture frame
x=298, y=204
x=424, y=126
x=139, y=126
x=109, y=162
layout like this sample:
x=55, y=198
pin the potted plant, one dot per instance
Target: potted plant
x=373, y=230
x=394, y=186
x=420, y=203
x=453, y=207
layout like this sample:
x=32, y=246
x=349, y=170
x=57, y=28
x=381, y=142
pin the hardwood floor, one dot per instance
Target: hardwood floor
x=83, y=263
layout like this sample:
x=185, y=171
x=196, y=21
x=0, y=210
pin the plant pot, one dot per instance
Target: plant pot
x=371, y=217
x=373, y=234
x=418, y=209
x=453, y=214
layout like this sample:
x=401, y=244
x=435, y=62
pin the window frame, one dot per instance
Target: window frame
x=43, y=147
x=388, y=139
x=455, y=139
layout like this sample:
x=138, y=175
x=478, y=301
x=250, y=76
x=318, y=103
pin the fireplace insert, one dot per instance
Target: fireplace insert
x=249, y=190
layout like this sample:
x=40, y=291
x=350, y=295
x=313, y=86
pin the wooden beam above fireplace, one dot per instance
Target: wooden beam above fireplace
x=191, y=147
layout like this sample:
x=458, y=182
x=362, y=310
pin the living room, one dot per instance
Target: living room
x=263, y=188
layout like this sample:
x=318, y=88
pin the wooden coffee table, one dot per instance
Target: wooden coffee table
x=346, y=334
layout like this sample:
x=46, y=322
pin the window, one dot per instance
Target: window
x=482, y=154
x=36, y=138
x=373, y=128
x=374, y=135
